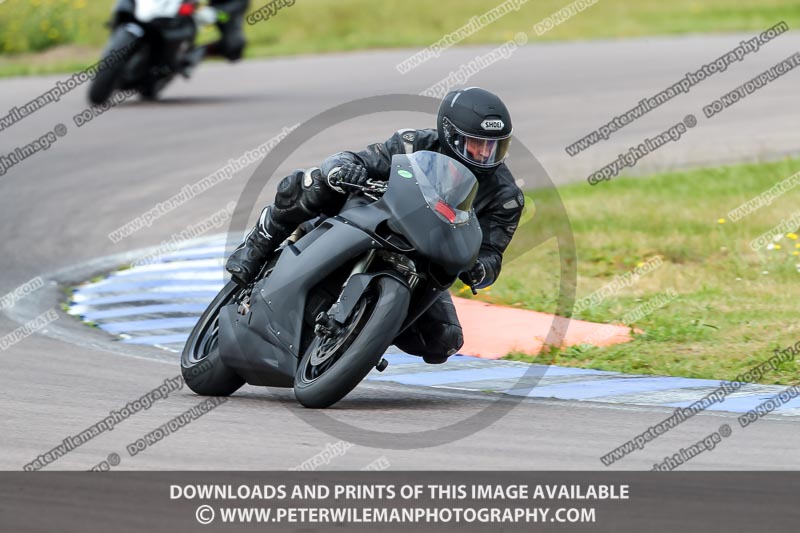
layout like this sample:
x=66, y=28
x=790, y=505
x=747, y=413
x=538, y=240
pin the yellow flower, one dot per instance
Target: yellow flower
x=777, y=247
x=795, y=253
x=797, y=245
x=720, y=221
x=792, y=236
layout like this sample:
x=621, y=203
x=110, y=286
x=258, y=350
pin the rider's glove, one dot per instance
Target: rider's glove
x=475, y=275
x=350, y=174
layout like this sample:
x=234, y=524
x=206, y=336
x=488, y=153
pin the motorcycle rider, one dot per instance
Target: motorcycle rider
x=474, y=127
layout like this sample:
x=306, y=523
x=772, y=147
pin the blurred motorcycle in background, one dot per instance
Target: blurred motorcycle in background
x=151, y=41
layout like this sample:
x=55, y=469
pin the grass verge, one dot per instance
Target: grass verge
x=734, y=305
x=73, y=31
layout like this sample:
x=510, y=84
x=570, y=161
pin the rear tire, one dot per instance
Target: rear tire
x=107, y=79
x=373, y=325
x=201, y=364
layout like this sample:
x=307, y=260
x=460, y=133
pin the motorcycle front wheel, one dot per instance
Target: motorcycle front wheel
x=118, y=50
x=335, y=364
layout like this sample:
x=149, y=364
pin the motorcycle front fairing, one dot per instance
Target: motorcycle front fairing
x=264, y=345
x=453, y=246
x=441, y=249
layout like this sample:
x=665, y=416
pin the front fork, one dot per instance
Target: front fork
x=362, y=265
x=325, y=323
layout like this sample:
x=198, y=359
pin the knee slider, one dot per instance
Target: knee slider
x=456, y=340
x=318, y=196
x=448, y=339
x=289, y=190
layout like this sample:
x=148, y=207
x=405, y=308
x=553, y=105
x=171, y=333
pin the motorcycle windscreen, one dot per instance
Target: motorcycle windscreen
x=448, y=186
x=430, y=201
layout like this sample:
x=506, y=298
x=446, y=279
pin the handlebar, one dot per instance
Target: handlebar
x=373, y=188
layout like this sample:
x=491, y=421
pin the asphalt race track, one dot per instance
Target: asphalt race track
x=59, y=206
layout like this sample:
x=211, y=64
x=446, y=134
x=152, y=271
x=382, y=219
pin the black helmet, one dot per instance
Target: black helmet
x=475, y=128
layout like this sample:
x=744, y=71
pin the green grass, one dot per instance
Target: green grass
x=735, y=306
x=30, y=27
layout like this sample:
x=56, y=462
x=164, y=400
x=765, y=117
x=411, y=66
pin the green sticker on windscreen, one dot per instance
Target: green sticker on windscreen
x=405, y=173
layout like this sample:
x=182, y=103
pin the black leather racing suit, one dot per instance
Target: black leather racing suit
x=301, y=196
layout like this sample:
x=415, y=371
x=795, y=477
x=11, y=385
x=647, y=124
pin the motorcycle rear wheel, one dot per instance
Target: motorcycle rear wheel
x=201, y=365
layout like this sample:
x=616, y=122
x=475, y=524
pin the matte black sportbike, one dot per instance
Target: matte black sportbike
x=328, y=304
x=151, y=41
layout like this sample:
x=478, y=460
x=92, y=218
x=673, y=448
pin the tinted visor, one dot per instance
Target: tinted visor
x=477, y=150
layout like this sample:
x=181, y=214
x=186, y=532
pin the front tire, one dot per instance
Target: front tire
x=201, y=364
x=333, y=367
x=108, y=78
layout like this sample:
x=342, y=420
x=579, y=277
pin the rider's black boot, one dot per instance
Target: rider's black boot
x=246, y=261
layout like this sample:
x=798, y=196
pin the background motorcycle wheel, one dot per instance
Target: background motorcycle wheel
x=107, y=79
x=333, y=367
x=201, y=365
